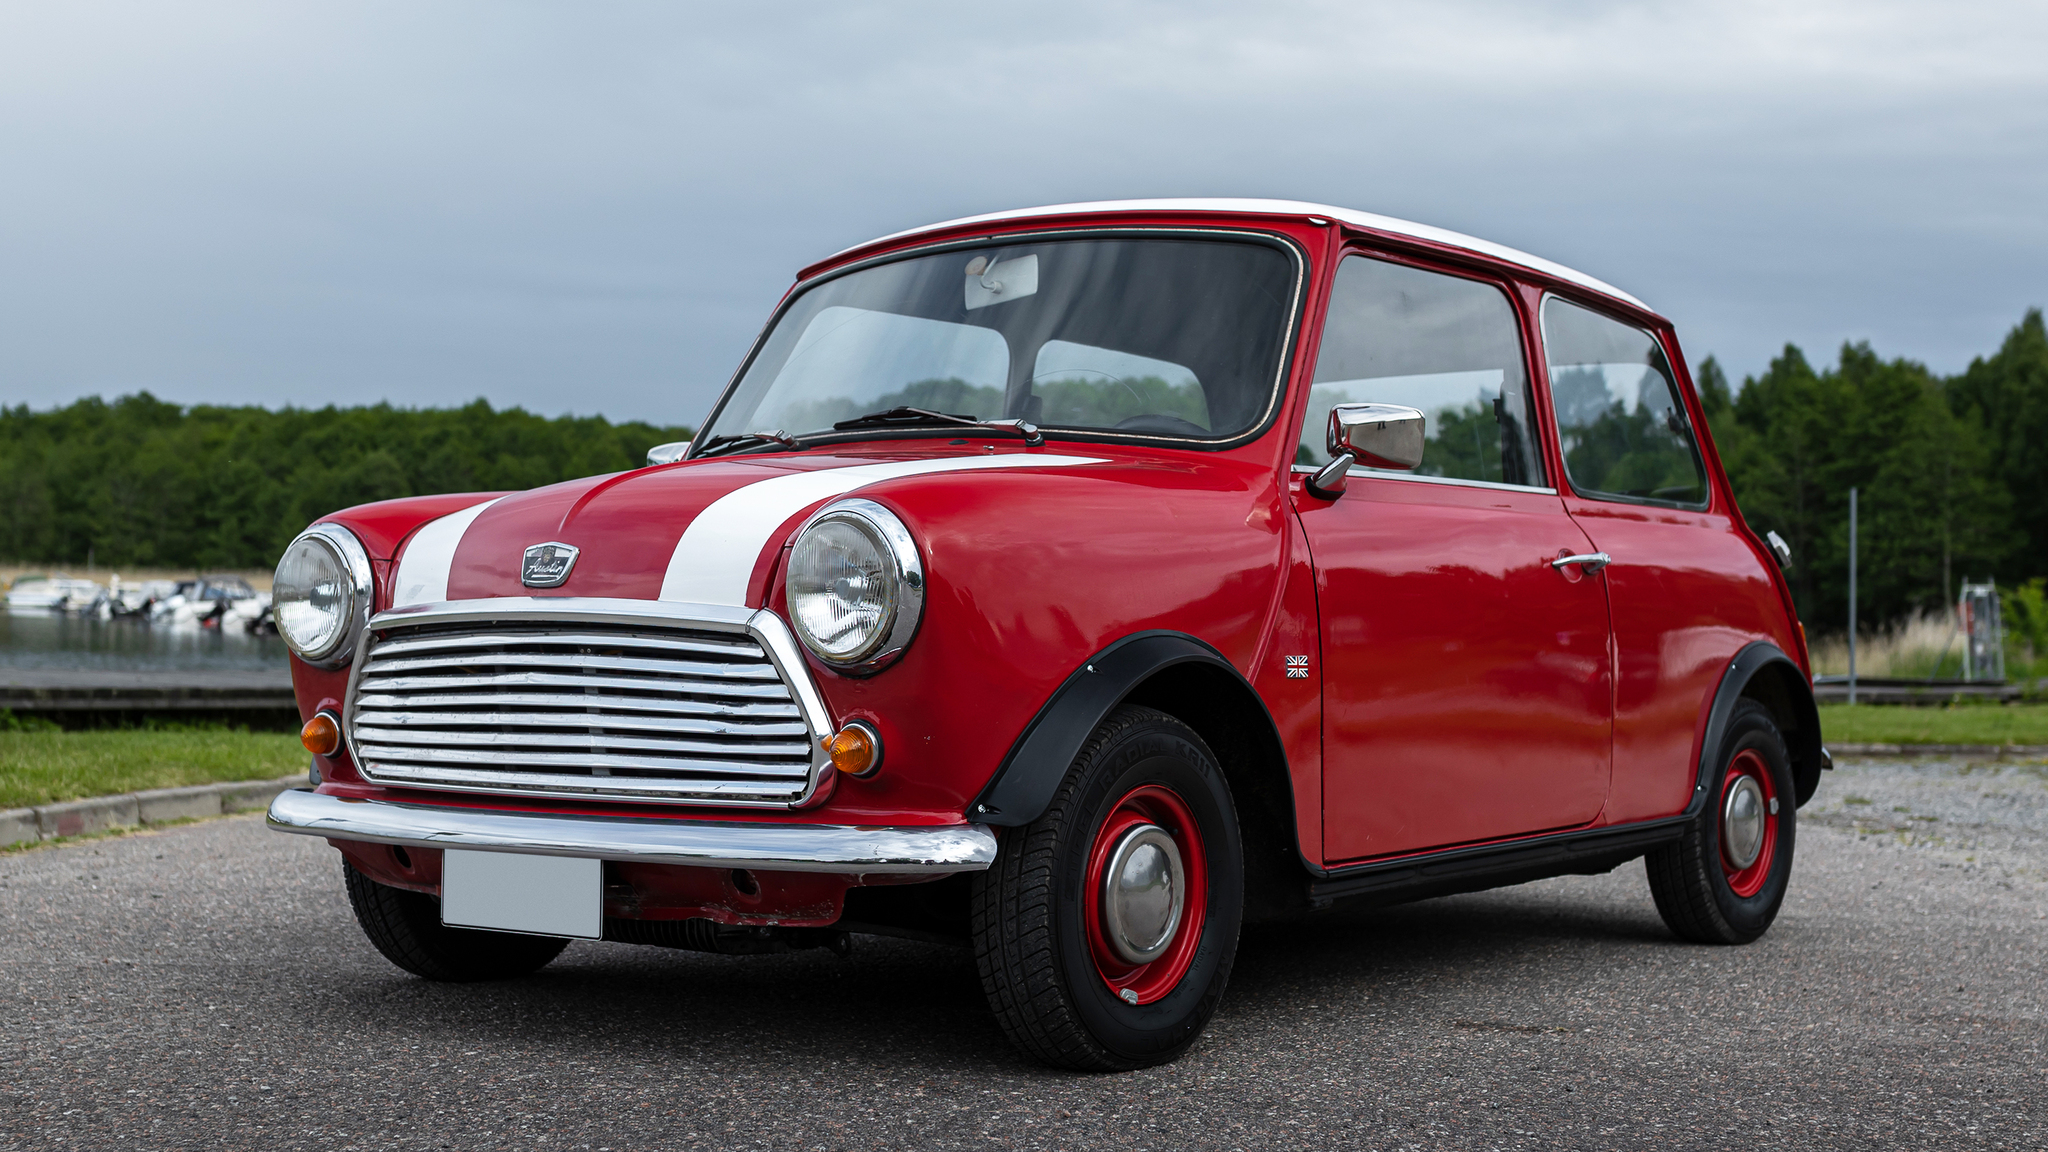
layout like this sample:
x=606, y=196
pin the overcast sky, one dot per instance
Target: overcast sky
x=591, y=207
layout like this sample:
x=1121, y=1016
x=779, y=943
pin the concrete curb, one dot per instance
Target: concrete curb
x=1996, y=750
x=20, y=826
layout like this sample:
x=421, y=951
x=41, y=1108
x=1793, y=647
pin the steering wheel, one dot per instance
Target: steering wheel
x=1161, y=422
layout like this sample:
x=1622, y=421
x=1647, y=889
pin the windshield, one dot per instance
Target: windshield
x=1176, y=338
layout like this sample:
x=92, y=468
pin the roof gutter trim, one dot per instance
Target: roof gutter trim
x=1369, y=221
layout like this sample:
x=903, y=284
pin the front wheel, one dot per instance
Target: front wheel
x=1106, y=929
x=1723, y=881
x=406, y=927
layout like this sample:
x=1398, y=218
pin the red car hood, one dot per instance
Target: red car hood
x=696, y=532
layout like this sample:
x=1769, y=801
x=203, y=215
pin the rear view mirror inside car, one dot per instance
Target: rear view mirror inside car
x=1000, y=281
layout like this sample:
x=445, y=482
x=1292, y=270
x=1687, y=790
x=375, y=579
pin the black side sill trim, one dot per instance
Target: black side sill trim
x=1454, y=869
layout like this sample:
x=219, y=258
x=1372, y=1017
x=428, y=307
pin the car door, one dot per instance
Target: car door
x=1466, y=681
x=1637, y=486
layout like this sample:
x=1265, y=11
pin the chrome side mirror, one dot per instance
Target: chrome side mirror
x=668, y=453
x=1375, y=435
x=1379, y=435
x=1779, y=548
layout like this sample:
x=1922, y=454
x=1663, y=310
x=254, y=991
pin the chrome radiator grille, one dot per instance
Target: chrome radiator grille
x=601, y=706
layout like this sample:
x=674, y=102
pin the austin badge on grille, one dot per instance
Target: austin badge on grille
x=547, y=565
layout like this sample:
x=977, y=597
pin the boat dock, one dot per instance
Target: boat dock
x=62, y=690
x=1924, y=693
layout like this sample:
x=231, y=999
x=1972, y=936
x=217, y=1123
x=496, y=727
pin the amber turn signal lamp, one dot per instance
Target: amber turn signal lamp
x=855, y=750
x=322, y=734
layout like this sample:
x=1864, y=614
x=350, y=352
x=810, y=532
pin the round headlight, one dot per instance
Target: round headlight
x=321, y=595
x=856, y=586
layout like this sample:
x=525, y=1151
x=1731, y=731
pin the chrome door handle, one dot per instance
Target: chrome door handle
x=1588, y=562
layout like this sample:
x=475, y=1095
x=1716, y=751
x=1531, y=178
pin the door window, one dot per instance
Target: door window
x=1442, y=344
x=1619, y=420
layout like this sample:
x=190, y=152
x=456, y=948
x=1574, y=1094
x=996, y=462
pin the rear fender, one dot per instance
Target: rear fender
x=1762, y=672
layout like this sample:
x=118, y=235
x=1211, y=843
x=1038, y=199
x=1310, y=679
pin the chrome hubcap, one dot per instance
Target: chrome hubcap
x=1742, y=822
x=1142, y=894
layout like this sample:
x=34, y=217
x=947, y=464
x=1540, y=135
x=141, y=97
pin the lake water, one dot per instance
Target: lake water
x=51, y=640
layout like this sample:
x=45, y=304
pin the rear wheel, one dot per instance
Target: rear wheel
x=1723, y=882
x=406, y=927
x=1106, y=930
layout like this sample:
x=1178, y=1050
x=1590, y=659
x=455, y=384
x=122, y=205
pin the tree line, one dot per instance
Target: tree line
x=1952, y=471
x=146, y=483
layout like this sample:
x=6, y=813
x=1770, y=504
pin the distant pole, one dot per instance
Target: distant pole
x=1852, y=595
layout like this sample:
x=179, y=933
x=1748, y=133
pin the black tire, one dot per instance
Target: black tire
x=1692, y=887
x=406, y=927
x=1030, y=932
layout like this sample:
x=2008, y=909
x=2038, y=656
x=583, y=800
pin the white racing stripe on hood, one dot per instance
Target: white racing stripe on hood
x=423, y=569
x=716, y=556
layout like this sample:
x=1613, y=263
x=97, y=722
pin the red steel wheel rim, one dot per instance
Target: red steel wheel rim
x=1748, y=880
x=1150, y=804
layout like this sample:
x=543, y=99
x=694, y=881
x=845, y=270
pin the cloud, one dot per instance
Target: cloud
x=593, y=207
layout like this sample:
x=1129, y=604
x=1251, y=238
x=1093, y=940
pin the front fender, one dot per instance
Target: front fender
x=1024, y=783
x=382, y=528
x=384, y=525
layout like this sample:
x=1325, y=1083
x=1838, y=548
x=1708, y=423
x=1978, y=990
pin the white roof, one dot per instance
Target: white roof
x=1289, y=208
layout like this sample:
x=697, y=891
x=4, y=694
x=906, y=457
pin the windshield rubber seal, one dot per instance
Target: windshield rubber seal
x=1275, y=399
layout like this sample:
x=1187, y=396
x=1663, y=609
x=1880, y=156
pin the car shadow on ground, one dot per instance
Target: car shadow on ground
x=907, y=1004
x=1347, y=950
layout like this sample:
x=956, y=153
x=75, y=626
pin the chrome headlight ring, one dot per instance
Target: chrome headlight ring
x=352, y=565
x=900, y=568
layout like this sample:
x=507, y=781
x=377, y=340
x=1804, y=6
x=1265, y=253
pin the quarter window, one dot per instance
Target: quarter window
x=1619, y=420
x=1443, y=344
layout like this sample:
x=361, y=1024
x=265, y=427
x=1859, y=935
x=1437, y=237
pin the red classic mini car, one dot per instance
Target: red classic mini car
x=1081, y=583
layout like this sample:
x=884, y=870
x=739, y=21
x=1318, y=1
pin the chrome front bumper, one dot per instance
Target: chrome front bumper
x=932, y=851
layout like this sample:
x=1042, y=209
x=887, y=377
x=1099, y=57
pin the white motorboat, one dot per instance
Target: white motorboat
x=137, y=598
x=210, y=601
x=55, y=593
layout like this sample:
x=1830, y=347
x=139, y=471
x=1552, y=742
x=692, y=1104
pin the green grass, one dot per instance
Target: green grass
x=47, y=766
x=1963, y=724
x=44, y=767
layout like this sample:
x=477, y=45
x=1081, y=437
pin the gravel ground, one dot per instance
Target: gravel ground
x=205, y=987
x=1992, y=814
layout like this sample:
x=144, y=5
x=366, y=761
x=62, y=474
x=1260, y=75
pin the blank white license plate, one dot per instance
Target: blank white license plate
x=508, y=892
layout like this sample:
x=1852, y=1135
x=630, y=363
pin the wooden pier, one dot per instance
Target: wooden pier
x=59, y=690
x=1924, y=693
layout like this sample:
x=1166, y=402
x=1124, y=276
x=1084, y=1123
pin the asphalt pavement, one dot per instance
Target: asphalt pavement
x=205, y=987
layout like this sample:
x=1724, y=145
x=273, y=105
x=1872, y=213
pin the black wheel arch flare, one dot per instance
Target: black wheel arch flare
x=1762, y=672
x=1024, y=783
x=1187, y=678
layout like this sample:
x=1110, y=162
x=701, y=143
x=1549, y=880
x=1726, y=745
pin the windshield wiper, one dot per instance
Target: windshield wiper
x=906, y=417
x=710, y=447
